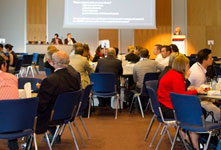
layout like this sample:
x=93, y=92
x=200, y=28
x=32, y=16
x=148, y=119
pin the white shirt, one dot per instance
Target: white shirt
x=197, y=75
x=70, y=42
x=159, y=57
x=163, y=61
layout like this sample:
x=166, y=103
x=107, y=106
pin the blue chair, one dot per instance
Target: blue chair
x=189, y=116
x=104, y=86
x=151, y=87
x=82, y=106
x=27, y=64
x=18, y=119
x=47, y=71
x=33, y=81
x=147, y=77
x=35, y=61
x=64, y=112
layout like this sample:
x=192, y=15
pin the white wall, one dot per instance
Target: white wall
x=13, y=23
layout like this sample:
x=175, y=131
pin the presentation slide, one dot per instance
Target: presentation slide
x=130, y=14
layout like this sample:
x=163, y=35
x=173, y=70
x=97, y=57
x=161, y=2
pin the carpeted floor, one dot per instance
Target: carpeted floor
x=125, y=133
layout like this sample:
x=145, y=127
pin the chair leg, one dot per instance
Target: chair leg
x=170, y=138
x=36, y=69
x=85, y=127
x=148, y=103
x=73, y=136
x=141, y=109
x=116, y=108
x=131, y=105
x=161, y=138
x=207, y=143
x=89, y=108
x=48, y=142
x=27, y=71
x=149, y=127
x=79, y=133
x=155, y=135
x=29, y=141
x=32, y=72
x=62, y=129
x=174, y=140
x=35, y=141
x=55, y=135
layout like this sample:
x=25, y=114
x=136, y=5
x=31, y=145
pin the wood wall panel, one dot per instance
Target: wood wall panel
x=204, y=23
x=36, y=20
x=110, y=34
x=160, y=35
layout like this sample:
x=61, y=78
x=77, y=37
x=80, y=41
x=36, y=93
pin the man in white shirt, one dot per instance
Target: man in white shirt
x=165, y=52
x=198, y=77
x=157, y=52
x=69, y=40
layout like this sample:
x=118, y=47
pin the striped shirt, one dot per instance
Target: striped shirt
x=8, y=86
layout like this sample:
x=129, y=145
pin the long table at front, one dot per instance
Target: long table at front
x=42, y=48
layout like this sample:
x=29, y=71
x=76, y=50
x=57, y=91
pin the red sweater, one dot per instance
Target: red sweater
x=172, y=81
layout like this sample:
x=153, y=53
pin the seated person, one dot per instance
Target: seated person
x=144, y=66
x=175, y=50
x=99, y=53
x=56, y=39
x=69, y=40
x=133, y=55
x=157, y=52
x=173, y=81
x=81, y=64
x=198, y=77
x=48, y=57
x=64, y=79
x=165, y=52
x=2, y=54
x=87, y=53
x=13, y=59
x=9, y=90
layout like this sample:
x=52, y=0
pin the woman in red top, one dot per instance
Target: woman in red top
x=174, y=81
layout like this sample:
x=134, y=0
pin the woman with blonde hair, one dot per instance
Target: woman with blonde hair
x=174, y=81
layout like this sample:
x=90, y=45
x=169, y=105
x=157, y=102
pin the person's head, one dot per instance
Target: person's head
x=130, y=49
x=3, y=64
x=86, y=50
x=99, y=50
x=79, y=51
x=137, y=50
x=174, y=48
x=177, y=29
x=111, y=52
x=116, y=50
x=77, y=45
x=50, y=52
x=69, y=35
x=60, y=59
x=8, y=47
x=171, y=60
x=1, y=47
x=165, y=51
x=144, y=53
x=157, y=49
x=56, y=35
x=204, y=57
x=181, y=64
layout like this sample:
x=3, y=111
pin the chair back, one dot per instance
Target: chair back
x=27, y=60
x=187, y=109
x=35, y=58
x=151, y=87
x=65, y=105
x=33, y=81
x=85, y=98
x=17, y=115
x=47, y=71
x=149, y=77
x=103, y=82
x=18, y=66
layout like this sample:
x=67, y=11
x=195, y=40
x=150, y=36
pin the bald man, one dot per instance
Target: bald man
x=64, y=79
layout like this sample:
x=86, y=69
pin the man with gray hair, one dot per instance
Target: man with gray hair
x=64, y=79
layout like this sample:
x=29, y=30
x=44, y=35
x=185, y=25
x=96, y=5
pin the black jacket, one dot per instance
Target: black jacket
x=63, y=80
x=66, y=41
x=59, y=41
x=132, y=58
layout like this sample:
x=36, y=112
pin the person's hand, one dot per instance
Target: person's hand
x=38, y=85
x=191, y=88
x=201, y=90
